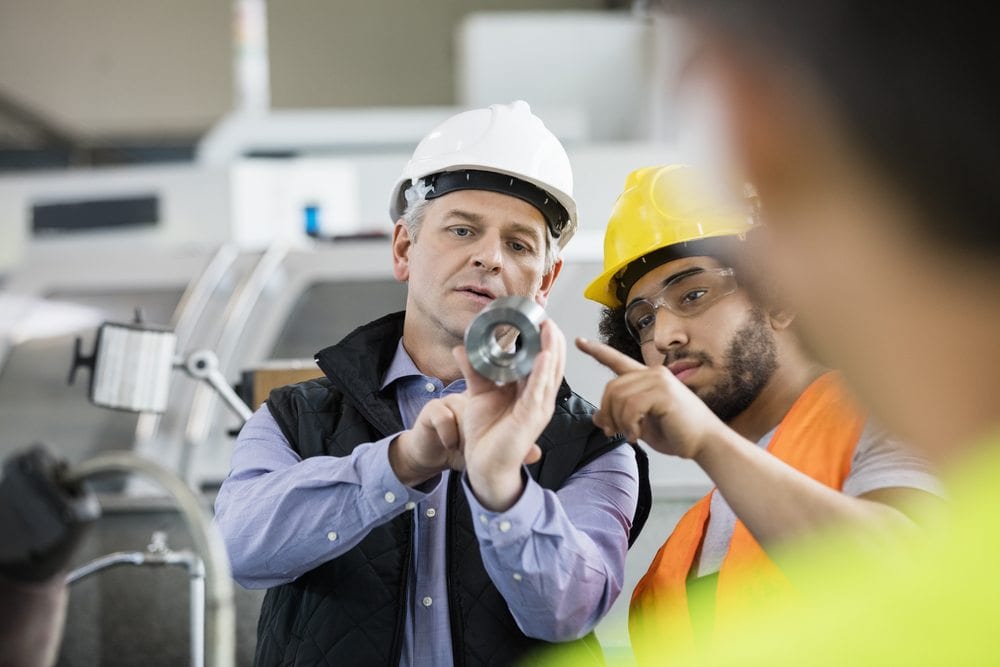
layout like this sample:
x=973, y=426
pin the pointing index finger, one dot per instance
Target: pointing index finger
x=609, y=357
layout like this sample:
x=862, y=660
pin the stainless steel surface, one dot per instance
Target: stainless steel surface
x=503, y=340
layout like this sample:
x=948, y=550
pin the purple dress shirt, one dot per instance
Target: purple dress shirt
x=557, y=558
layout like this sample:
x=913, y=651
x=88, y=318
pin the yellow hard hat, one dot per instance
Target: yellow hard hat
x=660, y=207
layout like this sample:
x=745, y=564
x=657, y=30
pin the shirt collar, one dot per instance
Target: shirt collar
x=402, y=366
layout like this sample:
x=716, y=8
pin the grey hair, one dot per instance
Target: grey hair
x=416, y=208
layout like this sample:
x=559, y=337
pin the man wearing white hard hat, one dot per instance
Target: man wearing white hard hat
x=405, y=510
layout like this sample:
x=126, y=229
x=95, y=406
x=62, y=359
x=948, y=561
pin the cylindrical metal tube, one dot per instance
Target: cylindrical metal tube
x=504, y=339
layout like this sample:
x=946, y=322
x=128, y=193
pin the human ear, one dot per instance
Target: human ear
x=780, y=318
x=548, y=280
x=401, y=244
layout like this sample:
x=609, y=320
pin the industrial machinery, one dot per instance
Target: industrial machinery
x=45, y=509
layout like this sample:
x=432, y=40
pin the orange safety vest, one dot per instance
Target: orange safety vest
x=818, y=436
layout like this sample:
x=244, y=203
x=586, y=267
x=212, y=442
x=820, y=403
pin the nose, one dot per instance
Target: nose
x=488, y=253
x=669, y=331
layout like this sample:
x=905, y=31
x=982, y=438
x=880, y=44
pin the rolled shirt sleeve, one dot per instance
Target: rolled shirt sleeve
x=281, y=516
x=558, y=557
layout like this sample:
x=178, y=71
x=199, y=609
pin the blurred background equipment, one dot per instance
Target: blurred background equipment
x=42, y=518
x=131, y=364
x=42, y=515
x=44, y=511
x=130, y=367
x=158, y=554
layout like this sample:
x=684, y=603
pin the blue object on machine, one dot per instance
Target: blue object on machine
x=312, y=220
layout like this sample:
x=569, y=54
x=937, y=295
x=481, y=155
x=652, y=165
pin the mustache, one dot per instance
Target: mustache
x=694, y=355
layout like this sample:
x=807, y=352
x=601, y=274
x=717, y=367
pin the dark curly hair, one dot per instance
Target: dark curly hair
x=614, y=332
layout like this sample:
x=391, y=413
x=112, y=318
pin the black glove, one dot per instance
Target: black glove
x=42, y=516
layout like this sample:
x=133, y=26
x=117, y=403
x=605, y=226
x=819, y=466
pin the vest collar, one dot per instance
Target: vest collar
x=355, y=367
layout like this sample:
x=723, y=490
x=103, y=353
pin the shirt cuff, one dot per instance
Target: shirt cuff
x=383, y=491
x=499, y=529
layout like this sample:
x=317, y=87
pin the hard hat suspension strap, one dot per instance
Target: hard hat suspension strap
x=444, y=182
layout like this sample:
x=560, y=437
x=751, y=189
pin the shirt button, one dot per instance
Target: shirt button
x=431, y=512
x=427, y=601
x=332, y=536
x=504, y=526
x=517, y=576
x=483, y=519
x=390, y=497
x=429, y=387
x=410, y=505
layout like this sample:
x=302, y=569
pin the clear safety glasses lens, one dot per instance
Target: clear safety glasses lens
x=687, y=295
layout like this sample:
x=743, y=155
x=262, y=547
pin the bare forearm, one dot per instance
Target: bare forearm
x=777, y=502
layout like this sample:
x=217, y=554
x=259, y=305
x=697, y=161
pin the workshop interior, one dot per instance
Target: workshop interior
x=193, y=202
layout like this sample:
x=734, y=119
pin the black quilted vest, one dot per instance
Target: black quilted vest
x=351, y=610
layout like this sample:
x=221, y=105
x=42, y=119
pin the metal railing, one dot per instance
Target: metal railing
x=219, y=638
x=159, y=554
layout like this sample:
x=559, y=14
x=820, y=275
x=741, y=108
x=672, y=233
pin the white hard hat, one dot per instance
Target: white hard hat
x=504, y=148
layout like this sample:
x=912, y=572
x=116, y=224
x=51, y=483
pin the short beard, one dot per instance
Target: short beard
x=750, y=361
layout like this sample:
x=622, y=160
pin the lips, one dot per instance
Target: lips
x=477, y=292
x=684, y=368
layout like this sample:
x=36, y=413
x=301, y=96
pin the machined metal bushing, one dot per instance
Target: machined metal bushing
x=504, y=339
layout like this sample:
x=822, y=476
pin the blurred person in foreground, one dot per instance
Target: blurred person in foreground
x=709, y=371
x=869, y=131
x=403, y=510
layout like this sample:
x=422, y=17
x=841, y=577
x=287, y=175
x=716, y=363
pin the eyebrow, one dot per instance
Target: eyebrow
x=680, y=275
x=669, y=280
x=464, y=215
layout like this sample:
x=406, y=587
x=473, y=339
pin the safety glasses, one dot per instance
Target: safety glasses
x=686, y=295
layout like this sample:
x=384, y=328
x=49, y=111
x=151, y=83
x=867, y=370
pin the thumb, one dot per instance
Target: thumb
x=474, y=382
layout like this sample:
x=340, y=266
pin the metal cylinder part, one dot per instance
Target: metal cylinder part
x=504, y=339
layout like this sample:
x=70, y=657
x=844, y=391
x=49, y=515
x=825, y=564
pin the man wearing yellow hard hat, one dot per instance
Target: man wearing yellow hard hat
x=709, y=371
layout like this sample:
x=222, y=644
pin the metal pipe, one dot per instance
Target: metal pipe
x=186, y=316
x=220, y=623
x=232, y=399
x=159, y=555
x=197, y=604
x=236, y=316
x=204, y=365
x=104, y=562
